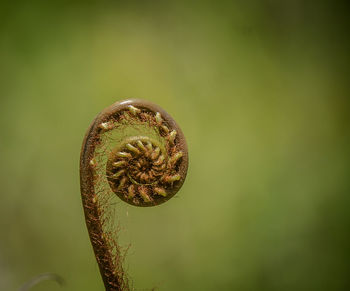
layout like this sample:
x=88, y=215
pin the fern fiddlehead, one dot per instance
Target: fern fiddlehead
x=136, y=151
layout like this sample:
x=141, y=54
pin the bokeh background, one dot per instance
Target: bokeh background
x=260, y=89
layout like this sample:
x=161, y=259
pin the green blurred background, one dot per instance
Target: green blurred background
x=260, y=89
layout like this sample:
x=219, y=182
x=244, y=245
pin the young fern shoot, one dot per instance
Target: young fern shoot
x=133, y=150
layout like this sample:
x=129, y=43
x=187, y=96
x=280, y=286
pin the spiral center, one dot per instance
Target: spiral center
x=143, y=170
x=139, y=161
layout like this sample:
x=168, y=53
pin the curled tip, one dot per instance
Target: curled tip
x=160, y=162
